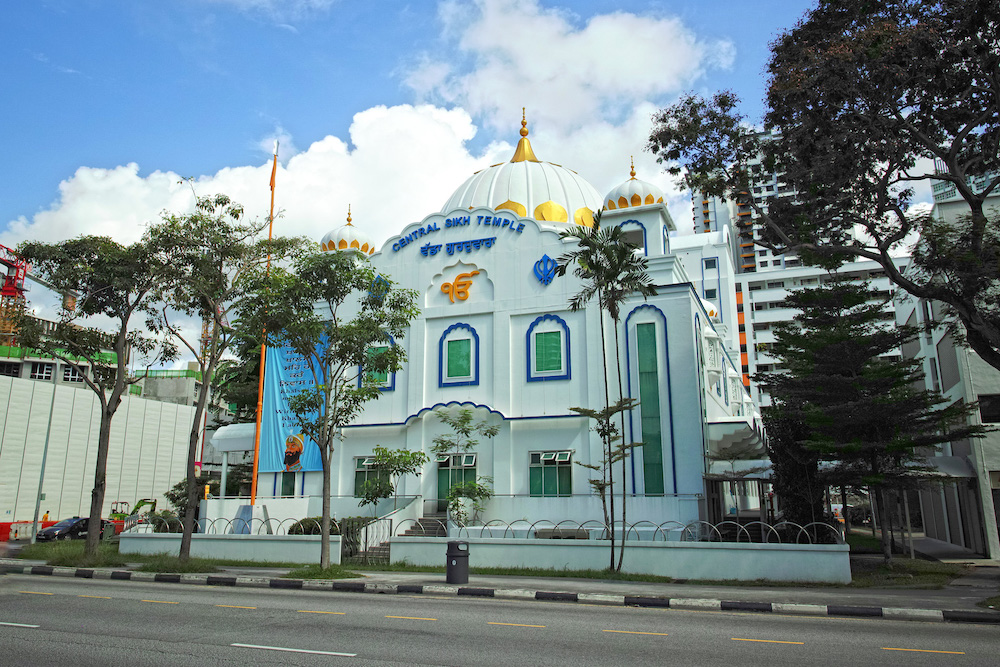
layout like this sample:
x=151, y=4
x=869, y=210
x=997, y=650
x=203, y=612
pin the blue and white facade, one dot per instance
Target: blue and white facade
x=496, y=334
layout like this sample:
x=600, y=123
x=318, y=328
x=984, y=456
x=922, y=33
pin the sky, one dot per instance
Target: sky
x=381, y=105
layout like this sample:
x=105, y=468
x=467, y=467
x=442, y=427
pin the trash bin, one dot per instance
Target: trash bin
x=457, y=567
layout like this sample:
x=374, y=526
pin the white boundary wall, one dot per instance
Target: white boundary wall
x=821, y=563
x=146, y=456
x=263, y=548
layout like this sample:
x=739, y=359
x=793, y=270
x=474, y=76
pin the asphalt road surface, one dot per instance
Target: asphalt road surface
x=49, y=621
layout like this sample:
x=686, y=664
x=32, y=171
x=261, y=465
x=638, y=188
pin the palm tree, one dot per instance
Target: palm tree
x=612, y=271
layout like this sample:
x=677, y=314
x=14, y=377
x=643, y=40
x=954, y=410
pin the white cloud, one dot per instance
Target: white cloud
x=522, y=54
x=405, y=163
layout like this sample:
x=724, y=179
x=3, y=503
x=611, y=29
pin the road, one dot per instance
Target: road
x=49, y=621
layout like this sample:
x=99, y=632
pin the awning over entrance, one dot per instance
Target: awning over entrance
x=736, y=439
x=235, y=438
x=949, y=466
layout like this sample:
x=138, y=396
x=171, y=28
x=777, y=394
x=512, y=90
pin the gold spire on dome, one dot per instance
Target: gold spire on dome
x=349, y=216
x=631, y=159
x=524, y=152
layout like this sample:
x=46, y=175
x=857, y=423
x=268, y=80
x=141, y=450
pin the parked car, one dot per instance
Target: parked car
x=72, y=529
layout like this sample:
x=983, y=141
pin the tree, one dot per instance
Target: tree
x=843, y=394
x=390, y=465
x=465, y=433
x=211, y=254
x=114, y=285
x=865, y=100
x=614, y=450
x=611, y=271
x=333, y=310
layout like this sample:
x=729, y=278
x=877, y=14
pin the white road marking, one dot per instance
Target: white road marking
x=295, y=650
x=20, y=625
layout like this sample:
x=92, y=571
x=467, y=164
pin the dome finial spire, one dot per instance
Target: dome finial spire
x=524, y=152
x=631, y=160
x=349, y=215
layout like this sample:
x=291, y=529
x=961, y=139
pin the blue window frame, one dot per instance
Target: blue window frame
x=385, y=381
x=458, y=356
x=547, y=349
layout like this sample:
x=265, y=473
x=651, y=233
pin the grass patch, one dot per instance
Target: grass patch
x=173, y=564
x=69, y=553
x=990, y=603
x=903, y=573
x=863, y=543
x=317, y=572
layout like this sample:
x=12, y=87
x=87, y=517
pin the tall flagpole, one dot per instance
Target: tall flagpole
x=263, y=344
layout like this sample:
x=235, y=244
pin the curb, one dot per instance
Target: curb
x=690, y=604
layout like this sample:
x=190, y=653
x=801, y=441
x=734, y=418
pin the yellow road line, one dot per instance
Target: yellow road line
x=922, y=650
x=765, y=641
x=35, y=593
x=161, y=601
x=634, y=632
x=310, y=611
x=234, y=606
x=516, y=625
x=96, y=597
x=413, y=618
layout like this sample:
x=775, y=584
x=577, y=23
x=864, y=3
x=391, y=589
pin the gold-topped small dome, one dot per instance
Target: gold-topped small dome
x=348, y=238
x=633, y=192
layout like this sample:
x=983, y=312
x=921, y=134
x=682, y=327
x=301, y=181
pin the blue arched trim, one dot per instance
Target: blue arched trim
x=645, y=239
x=670, y=390
x=529, y=348
x=474, y=381
x=391, y=380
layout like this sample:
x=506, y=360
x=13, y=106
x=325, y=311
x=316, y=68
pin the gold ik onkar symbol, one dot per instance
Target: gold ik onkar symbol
x=460, y=288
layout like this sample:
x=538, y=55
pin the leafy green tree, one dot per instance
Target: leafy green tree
x=211, y=253
x=115, y=288
x=612, y=272
x=390, y=466
x=844, y=394
x=332, y=309
x=465, y=432
x=865, y=101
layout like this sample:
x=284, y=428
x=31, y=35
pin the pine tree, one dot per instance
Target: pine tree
x=844, y=394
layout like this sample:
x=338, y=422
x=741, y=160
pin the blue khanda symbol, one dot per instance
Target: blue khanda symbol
x=545, y=269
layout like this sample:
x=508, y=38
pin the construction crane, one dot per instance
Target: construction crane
x=12, y=294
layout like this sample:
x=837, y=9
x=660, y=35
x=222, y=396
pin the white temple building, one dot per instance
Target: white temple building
x=496, y=335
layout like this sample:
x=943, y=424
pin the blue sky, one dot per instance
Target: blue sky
x=384, y=105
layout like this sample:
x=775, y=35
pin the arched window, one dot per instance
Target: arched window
x=386, y=381
x=458, y=356
x=547, y=350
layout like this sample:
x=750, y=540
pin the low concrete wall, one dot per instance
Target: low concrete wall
x=262, y=548
x=826, y=563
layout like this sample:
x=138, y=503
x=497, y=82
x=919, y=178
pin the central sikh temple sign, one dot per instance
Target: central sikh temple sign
x=496, y=223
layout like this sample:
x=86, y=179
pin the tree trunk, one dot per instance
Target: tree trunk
x=324, y=547
x=618, y=370
x=608, y=446
x=192, y=487
x=100, y=482
x=883, y=517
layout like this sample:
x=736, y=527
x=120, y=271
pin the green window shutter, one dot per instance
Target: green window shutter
x=459, y=358
x=548, y=351
x=378, y=377
x=565, y=478
x=549, y=481
x=535, y=481
x=649, y=399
